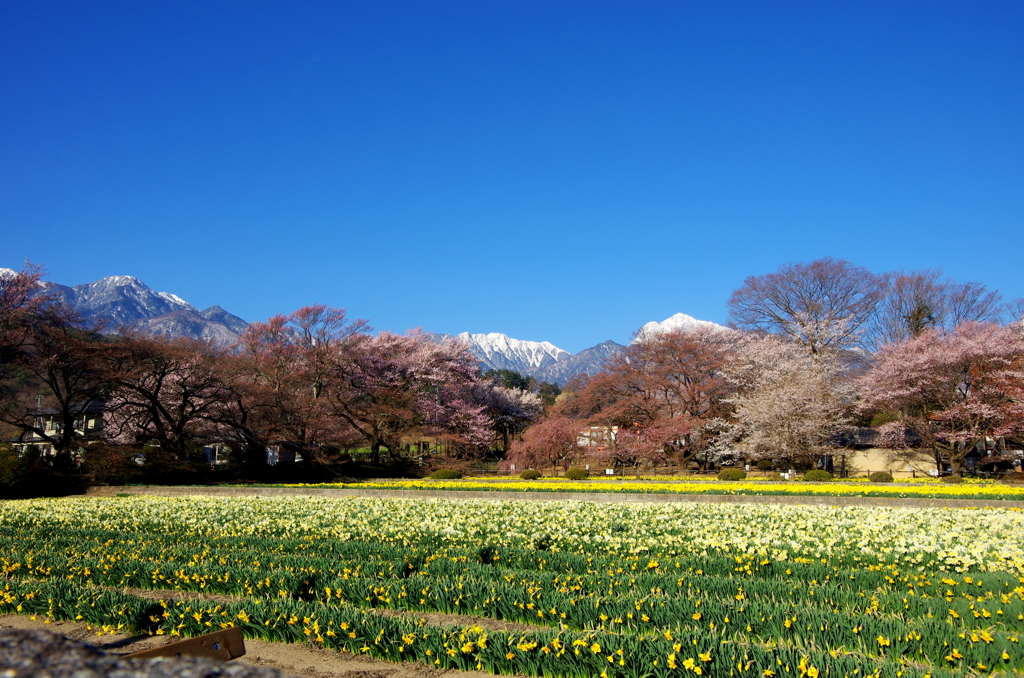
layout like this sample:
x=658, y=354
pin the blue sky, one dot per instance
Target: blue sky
x=553, y=171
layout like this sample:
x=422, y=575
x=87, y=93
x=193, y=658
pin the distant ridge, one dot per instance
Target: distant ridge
x=123, y=301
x=588, y=361
x=546, y=362
x=185, y=323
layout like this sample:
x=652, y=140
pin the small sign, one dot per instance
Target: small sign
x=222, y=645
x=609, y=471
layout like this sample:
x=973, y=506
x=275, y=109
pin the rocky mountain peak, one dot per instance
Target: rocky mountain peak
x=118, y=301
x=500, y=351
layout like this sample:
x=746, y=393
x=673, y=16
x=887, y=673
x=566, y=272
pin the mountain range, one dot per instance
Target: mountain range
x=544, y=361
x=121, y=301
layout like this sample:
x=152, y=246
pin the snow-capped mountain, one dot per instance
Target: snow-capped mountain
x=546, y=362
x=124, y=301
x=680, y=321
x=541, y=360
x=501, y=352
x=119, y=300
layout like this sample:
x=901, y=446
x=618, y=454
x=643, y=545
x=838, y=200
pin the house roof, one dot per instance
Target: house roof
x=92, y=407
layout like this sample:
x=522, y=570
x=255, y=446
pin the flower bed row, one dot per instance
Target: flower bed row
x=983, y=491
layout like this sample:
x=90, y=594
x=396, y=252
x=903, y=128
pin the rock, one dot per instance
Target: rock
x=42, y=654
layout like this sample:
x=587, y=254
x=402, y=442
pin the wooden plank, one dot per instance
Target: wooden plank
x=223, y=645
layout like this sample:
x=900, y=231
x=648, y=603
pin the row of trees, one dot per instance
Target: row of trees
x=313, y=381
x=813, y=349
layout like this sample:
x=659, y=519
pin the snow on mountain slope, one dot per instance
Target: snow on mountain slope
x=588, y=361
x=120, y=300
x=124, y=301
x=546, y=362
x=500, y=352
x=186, y=323
x=216, y=314
x=680, y=321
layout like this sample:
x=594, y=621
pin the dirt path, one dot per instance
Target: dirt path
x=433, y=618
x=301, y=661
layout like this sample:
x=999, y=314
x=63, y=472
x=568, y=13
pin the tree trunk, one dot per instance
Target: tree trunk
x=956, y=455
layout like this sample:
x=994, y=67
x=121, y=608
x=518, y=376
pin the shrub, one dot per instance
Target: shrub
x=10, y=467
x=765, y=465
x=577, y=474
x=30, y=475
x=817, y=476
x=952, y=479
x=446, y=474
x=106, y=465
x=880, y=477
x=530, y=474
x=732, y=474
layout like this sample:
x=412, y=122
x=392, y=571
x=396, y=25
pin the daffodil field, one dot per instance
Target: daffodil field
x=907, y=488
x=597, y=589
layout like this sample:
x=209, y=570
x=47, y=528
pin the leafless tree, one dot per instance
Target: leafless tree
x=918, y=301
x=823, y=305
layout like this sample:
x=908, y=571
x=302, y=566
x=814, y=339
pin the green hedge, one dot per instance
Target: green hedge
x=446, y=474
x=732, y=474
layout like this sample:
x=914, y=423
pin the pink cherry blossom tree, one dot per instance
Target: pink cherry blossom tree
x=662, y=393
x=552, y=441
x=953, y=389
x=511, y=410
x=49, y=359
x=392, y=387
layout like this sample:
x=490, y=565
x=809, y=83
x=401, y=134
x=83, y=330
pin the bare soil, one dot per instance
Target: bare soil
x=433, y=618
x=298, y=660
